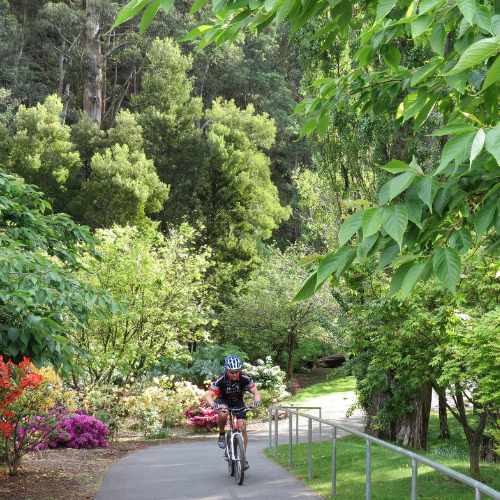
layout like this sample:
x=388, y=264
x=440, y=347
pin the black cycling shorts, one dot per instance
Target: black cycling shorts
x=237, y=403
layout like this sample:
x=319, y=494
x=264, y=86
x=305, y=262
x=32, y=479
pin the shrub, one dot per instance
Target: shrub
x=201, y=416
x=267, y=377
x=78, y=430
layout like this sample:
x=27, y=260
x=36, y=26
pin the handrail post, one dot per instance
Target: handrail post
x=297, y=427
x=334, y=461
x=310, y=434
x=270, y=429
x=320, y=425
x=368, y=470
x=276, y=413
x=477, y=495
x=290, y=434
x=414, y=479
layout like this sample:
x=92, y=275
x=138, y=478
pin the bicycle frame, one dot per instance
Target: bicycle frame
x=235, y=450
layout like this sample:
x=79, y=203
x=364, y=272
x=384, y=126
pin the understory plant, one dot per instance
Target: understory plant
x=200, y=416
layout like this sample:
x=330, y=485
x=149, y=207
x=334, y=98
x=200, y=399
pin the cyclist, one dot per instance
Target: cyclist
x=228, y=389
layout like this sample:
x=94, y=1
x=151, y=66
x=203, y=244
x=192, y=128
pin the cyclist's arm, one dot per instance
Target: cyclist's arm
x=210, y=397
x=255, y=392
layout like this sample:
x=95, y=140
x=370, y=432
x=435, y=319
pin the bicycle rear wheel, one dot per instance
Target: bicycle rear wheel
x=239, y=455
x=230, y=463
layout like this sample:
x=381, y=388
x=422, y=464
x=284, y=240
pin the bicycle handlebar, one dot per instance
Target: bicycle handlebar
x=224, y=409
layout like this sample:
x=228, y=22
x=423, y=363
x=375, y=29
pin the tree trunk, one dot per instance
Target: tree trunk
x=92, y=96
x=377, y=403
x=444, y=431
x=414, y=428
x=475, y=447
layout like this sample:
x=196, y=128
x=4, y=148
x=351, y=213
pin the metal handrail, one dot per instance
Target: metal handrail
x=297, y=423
x=415, y=458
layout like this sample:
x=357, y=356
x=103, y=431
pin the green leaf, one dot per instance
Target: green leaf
x=495, y=24
x=467, y=8
x=331, y=262
x=427, y=189
x=383, y=8
x=284, y=10
x=477, y=53
x=200, y=30
x=477, y=144
x=371, y=221
x=149, y=14
x=426, y=5
x=491, y=103
x=392, y=57
x=395, y=221
x=308, y=259
x=483, y=18
x=414, y=210
x=396, y=166
x=389, y=253
x=398, y=278
x=461, y=240
x=350, y=227
x=365, y=246
x=411, y=278
x=483, y=220
x=307, y=289
x=438, y=39
x=493, y=74
x=447, y=267
x=441, y=199
x=492, y=143
x=455, y=128
x=413, y=103
x=197, y=5
x=129, y=11
x=420, y=24
x=400, y=183
x=346, y=262
x=455, y=147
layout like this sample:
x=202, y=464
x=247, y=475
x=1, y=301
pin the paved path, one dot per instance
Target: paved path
x=197, y=471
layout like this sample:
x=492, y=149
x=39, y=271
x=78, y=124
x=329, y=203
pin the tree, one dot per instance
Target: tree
x=40, y=297
x=162, y=281
x=262, y=319
x=41, y=152
x=168, y=114
x=239, y=202
x=440, y=208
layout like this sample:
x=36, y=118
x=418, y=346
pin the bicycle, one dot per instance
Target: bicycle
x=235, y=447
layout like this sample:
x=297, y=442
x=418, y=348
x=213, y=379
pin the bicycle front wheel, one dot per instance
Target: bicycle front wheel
x=230, y=462
x=239, y=462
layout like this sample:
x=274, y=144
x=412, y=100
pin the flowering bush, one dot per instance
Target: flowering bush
x=109, y=404
x=162, y=405
x=78, y=430
x=268, y=377
x=201, y=416
x=19, y=404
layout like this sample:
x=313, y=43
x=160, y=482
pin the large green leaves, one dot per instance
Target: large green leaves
x=395, y=221
x=350, y=227
x=447, y=266
x=477, y=53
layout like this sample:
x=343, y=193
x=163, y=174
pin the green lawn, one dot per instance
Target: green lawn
x=324, y=389
x=391, y=472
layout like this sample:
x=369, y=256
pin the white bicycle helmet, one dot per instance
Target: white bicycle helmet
x=232, y=363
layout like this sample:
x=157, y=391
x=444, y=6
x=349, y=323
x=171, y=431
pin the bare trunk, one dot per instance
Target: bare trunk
x=291, y=353
x=60, y=86
x=475, y=447
x=414, y=428
x=92, y=96
x=444, y=431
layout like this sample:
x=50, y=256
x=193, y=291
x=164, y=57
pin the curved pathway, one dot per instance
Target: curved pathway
x=197, y=471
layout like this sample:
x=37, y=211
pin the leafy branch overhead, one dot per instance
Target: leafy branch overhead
x=424, y=221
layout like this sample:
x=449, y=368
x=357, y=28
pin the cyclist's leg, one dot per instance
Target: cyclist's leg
x=242, y=419
x=222, y=416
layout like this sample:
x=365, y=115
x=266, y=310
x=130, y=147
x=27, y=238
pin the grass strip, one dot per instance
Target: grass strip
x=391, y=472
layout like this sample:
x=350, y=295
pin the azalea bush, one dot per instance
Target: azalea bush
x=78, y=430
x=201, y=416
x=268, y=377
x=20, y=404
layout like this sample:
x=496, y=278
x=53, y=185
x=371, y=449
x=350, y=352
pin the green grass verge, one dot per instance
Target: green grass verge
x=324, y=389
x=391, y=472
